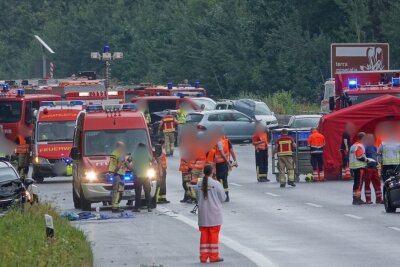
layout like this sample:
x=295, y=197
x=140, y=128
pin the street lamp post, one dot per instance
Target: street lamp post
x=106, y=56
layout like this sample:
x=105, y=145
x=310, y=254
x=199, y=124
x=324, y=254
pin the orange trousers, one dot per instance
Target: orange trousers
x=209, y=243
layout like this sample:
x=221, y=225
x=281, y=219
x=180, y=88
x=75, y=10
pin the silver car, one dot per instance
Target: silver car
x=237, y=126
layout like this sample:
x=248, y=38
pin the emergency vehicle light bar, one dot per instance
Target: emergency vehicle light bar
x=352, y=83
x=197, y=84
x=20, y=92
x=129, y=107
x=94, y=108
x=60, y=103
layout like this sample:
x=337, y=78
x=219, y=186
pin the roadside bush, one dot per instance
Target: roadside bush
x=283, y=102
x=23, y=240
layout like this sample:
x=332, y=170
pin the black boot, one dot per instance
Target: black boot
x=227, y=197
x=185, y=198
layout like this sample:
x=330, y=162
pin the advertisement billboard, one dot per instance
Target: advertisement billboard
x=359, y=57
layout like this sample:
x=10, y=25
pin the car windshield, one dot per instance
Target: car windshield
x=55, y=131
x=208, y=103
x=194, y=118
x=262, y=109
x=10, y=111
x=305, y=122
x=102, y=143
x=7, y=174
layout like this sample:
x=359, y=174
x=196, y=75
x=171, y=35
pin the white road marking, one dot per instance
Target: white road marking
x=255, y=257
x=235, y=184
x=272, y=194
x=353, y=216
x=313, y=205
x=394, y=228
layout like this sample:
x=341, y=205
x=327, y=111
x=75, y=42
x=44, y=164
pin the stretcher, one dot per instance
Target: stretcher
x=301, y=155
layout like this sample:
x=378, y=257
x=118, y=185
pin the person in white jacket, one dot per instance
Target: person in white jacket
x=210, y=196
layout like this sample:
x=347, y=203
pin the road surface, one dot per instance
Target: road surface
x=313, y=224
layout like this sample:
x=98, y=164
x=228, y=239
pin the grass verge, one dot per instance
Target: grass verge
x=23, y=240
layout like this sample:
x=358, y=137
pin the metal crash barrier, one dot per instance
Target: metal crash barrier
x=301, y=154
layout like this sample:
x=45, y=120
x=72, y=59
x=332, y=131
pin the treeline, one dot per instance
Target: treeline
x=258, y=46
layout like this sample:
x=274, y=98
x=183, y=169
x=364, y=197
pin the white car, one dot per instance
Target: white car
x=253, y=108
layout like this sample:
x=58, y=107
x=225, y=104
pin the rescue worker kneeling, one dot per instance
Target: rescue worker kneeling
x=117, y=168
x=316, y=142
x=285, y=146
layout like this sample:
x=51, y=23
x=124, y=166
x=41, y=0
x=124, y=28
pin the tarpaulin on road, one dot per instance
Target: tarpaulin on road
x=364, y=117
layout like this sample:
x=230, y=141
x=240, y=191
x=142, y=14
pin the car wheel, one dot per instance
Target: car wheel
x=84, y=203
x=38, y=177
x=76, y=199
x=388, y=206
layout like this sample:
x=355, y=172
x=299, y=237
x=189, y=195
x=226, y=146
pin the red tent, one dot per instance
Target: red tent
x=364, y=116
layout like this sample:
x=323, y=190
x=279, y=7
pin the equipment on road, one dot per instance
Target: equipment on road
x=309, y=177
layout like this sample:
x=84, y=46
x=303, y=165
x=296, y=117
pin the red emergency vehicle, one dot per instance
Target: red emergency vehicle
x=350, y=88
x=17, y=112
x=52, y=138
x=97, y=131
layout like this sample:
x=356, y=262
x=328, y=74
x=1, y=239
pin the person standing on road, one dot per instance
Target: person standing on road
x=371, y=172
x=285, y=146
x=219, y=156
x=22, y=150
x=210, y=195
x=358, y=163
x=162, y=170
x=117, y=168
x=168, y=125
x=389, y=152
x=316, y=142
x=260, y=142
x=344, y=149
x=142, y=161
x=181, y=115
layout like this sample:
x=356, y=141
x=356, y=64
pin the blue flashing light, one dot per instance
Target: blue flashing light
x=158, y=93
x=94, y=108
x=20, y=92
x=169, y=85
x=5, y=87
x=67, y=160
x=129, y=107
x=47, y=104
x=181, y=95
x=352, y=83
x=200, y=95
x=76, y=103
x=106, y=49
x=197, y=84
x=396, y=82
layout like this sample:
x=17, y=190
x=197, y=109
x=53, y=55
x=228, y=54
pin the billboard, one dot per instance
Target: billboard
x=359, y=57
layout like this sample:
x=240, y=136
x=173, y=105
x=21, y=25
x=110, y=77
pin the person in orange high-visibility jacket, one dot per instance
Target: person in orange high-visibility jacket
x=168, y=127
x=358, y=162
x=196, y=166
x=162, y=167
x=284, y=148
x=260, y=142
x=316, y=142
x=219, y=157
x=22, y=150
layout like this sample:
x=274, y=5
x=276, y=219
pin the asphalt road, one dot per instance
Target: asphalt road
x=313, y=224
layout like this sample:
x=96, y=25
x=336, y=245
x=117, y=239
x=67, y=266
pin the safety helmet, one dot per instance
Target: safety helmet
x=309, y=177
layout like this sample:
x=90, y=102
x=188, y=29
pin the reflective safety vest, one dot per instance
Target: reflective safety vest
x=285, y=145
x=168, y=124
x=198, y=164
x=22, y=147
x=354, y=161
x=261, y=137
x=390, y=153
x=184, y=166
x=147, y=117
x=215, y=155
x=164, y=161
x=316, y=141
x=181, y=116
x=115, y=157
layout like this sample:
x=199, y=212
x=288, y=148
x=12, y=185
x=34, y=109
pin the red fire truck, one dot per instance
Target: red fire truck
x=350, y=88
x=52, y=138
x=17, y=112
x=97, y=131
